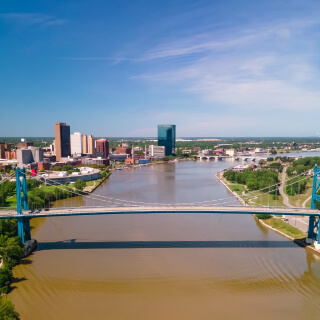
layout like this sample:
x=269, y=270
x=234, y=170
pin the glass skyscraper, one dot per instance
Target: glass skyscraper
x=167, y=137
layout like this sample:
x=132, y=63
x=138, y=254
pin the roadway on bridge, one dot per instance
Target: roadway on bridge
x=4, y=214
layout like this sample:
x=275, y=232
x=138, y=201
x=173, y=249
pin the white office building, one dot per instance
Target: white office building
x=156, y=151
x=76, y=143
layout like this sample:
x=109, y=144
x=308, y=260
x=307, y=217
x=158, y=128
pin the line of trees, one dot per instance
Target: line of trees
x=254, y=180
x=11, y=249
x=302, y=165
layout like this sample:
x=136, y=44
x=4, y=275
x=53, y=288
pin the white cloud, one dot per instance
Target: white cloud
x=29, y=19
x=259, y=68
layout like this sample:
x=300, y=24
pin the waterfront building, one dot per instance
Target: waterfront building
x=167, y=138
x=62, y=140
x=102, y=148
x=91, y=145
x=156, y=151
x=207, y=152
x=118, y=157
x=231, y=152
x=91, y=161
x=76, y=143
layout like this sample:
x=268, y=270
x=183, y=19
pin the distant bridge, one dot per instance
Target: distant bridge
x=217, y=157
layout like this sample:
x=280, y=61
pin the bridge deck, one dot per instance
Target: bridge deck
x=54, y=212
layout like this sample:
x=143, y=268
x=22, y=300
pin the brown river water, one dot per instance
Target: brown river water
x=164, y=266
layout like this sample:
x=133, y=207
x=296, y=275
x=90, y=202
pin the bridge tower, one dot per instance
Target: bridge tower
x=22, y=197
x=313, y=231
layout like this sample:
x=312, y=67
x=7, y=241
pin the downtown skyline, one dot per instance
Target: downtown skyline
x=118, y=68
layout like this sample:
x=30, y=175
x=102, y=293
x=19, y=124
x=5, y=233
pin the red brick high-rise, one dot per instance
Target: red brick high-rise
x=102, y=148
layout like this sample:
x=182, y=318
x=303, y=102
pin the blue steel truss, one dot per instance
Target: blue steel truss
x=313, y=231
x=22, y=198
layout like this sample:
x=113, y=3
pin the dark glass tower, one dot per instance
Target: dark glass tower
x=62, y=138
x=167, y=137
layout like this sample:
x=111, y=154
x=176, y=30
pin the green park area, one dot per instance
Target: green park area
x=284, y=227
x=41, y=195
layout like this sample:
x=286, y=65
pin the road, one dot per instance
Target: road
x=281, y=189
x=54, y=212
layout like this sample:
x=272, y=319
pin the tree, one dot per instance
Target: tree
x=80, y=184
x=7, y=310
x=5, y=281
x=273, y=151
x=10, y=250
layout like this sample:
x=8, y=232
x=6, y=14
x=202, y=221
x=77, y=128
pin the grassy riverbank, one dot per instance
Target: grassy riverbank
x=285, y=228
x=257, y=198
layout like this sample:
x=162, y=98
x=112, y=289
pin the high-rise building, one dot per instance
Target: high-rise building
x=2, y=151
x=91, y=145
x=102, y=148
x=62, y=140
x=4, y=147
x=167, y=137
x=76, y=143
x=84, y=144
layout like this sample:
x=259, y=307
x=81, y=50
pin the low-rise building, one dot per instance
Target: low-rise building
x=98, y=161
x=156, y=152
x=231, y=152
x=240, y=168
x=123, y=150
x=29, y=155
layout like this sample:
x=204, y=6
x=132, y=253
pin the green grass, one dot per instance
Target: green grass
x=298, y=200
x=237, y=188
x=92, y=182
x=286, y=228
x=258, y=199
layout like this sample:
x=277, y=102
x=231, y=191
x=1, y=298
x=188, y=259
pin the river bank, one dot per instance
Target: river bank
x=300, y=239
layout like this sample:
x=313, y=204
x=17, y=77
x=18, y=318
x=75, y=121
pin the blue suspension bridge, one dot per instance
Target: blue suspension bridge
x=121, y=206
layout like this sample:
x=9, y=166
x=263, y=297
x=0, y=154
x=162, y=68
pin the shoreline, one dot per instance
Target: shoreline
x=222, y=180
x=299, y=242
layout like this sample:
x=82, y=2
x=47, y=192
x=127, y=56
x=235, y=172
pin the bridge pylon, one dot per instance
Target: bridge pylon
x=313, y=230
x=22, y=201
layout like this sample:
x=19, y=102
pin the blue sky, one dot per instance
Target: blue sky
x=119, y=68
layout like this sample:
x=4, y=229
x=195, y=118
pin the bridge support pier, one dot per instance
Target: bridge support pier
x=23, y=223
x=313, y=230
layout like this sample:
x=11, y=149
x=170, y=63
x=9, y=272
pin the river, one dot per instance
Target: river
x=165, y=266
